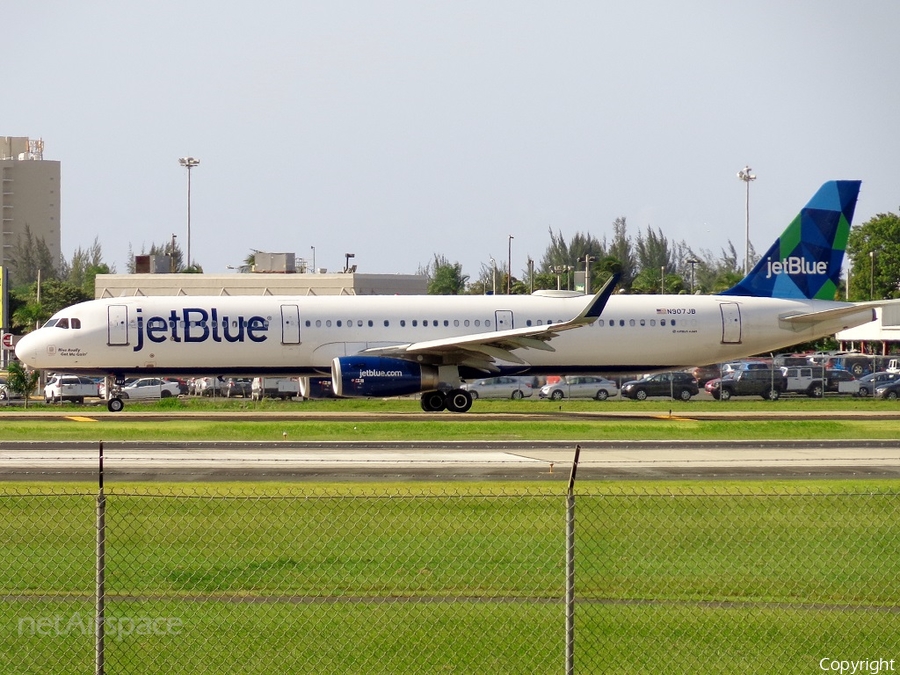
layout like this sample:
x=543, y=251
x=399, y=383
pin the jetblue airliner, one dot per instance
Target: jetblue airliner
x=400, y=345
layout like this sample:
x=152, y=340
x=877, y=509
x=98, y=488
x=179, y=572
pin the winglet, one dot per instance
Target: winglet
x=592, y=312
x=805, y=261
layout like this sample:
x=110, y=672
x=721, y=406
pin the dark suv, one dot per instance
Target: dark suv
x=766, y=383
x=676, y=384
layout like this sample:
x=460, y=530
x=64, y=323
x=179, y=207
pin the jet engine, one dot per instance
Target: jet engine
x=380, y=376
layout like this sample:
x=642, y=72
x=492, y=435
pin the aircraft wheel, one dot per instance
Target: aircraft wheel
x=114, y=404
x=458, y=401
x=433, y=401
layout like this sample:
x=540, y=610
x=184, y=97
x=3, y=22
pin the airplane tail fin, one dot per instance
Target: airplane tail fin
x=805, y=261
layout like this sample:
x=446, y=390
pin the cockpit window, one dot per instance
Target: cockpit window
x=76, y=323
x=62, y=323
x=50, y=323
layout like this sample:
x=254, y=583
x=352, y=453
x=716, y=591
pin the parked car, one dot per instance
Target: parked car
x=580, y=386
x=148, y=387
x=61, y=387
x=677, y=384
x=704, y=374
x=238, y=386
x=841, y=382
x=6, y=393
x=766, y=383
x=868, y=383
x=889, y=390
x=500, y=387
x=274, y=387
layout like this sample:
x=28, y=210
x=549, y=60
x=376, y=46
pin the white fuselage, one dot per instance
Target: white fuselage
x=301, y=335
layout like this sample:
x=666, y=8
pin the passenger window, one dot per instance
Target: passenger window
x=643, y=322
x=386, y=323
x=622, y=323
x=662, y=322
x=631, y=323
x=477, y=322
x=338, y=323
x=403, y=323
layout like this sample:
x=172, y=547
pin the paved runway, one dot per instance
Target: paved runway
x=500, y=460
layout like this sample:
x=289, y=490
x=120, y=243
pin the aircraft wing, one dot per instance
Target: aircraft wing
x=480, y=350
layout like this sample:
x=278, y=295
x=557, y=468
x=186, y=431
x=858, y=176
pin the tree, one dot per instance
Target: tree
x=874, y=250
x=444, y=277
x=27, y=312
x=20, y=378
x=84, y=267
x=30, y=255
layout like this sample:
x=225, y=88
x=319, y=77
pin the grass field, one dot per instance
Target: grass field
x=174, y=419
x=684, y=577
x=680, y=577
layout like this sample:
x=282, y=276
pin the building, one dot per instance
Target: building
x=30, y=198
x=880, y=337
x=350, y=283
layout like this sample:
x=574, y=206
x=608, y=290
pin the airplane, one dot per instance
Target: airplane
x=403, y=345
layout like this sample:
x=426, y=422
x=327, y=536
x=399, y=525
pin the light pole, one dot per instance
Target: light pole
x=509, y=266
x=188, y=163
x=314, y=258
x=493, y=276
x=588, y=259
x=872, y=275
x=745, y=175
x=692, y=262
x=347, y=257
x=531, y=274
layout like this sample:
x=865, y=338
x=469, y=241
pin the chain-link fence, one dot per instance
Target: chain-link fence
x=274, y=578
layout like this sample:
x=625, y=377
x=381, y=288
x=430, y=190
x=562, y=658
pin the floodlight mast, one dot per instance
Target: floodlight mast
x=188, y=163
x=745, y=175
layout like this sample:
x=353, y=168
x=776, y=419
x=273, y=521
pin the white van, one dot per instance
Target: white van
x=70, y=388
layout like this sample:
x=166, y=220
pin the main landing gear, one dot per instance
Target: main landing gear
x=456, y=400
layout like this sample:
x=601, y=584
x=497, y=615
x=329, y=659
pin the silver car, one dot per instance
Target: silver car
x=580, y=386
x=149, y=387
x=500, y=387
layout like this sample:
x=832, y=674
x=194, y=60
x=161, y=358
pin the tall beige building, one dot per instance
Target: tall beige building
x=31, y=195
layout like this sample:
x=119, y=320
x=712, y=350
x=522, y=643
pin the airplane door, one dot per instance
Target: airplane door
x=290, y=325
x=117, y=327
x=731, y=322
x=504, y=319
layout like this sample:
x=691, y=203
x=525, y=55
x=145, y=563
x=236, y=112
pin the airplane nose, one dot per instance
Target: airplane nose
x=26, y=349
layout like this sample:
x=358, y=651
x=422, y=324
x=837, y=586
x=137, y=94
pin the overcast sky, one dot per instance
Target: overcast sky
x=400, y=129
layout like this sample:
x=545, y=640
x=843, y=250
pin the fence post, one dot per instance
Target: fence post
x=100, y=579
x=570, y=567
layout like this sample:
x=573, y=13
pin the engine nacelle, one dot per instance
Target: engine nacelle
x=380, y=376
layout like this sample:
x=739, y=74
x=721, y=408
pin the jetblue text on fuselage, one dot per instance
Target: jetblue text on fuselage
x=794, y=265
x=193, y=324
